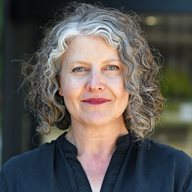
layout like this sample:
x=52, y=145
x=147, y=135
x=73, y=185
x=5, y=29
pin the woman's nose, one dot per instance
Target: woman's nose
x=95, y=81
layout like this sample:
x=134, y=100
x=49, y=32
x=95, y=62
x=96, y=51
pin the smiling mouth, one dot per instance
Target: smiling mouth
x=96, y=101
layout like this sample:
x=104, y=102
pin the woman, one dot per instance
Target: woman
x=95, y=77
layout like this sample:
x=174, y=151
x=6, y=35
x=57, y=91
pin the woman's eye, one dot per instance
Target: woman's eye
x=79, y=69
x=112, y=67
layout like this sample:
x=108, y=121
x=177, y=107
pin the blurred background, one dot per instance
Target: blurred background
x=168, y=28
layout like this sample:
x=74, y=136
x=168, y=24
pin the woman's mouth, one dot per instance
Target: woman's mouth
x=96, y=101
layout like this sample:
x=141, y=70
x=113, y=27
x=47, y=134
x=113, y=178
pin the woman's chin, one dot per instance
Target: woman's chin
x=99, y=120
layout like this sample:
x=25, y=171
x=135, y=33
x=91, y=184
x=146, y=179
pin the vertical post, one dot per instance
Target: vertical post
x=17, y=127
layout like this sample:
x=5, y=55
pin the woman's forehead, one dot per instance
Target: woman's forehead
x=90, y=47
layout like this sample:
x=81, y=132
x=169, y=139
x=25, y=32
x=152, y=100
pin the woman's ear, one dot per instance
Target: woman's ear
x=60, y=92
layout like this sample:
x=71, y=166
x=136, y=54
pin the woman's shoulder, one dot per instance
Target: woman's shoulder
x=30, y=159
x=168, y=163
x=33, y=168
x=30, y=167
x=164, y=150
x=164, y=155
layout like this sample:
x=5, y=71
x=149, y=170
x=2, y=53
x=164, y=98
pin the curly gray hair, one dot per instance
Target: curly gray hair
x=121, y=31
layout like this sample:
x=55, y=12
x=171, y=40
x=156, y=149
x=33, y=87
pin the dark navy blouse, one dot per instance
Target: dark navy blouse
x=135, y=167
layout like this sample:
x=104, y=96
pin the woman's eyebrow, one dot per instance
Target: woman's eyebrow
x=87, y=63
x=118, y=60
x=79, y=62
x=112, y=60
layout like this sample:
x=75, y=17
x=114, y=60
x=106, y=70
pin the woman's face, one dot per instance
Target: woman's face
x=91, y=82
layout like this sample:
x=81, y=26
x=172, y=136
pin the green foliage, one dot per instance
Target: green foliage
x=176, y=85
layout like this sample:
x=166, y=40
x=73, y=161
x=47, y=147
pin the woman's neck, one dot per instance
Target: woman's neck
x=95, y=141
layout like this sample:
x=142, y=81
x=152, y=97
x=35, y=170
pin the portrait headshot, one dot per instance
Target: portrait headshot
x=95, y=78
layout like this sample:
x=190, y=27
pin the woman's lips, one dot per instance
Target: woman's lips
x=96, y=101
